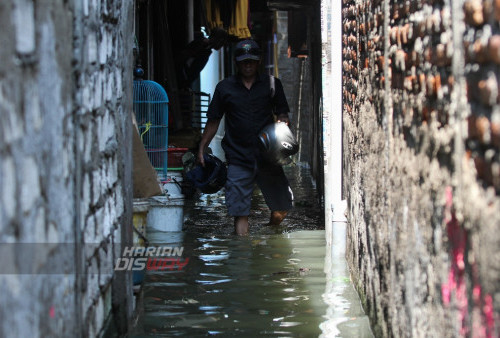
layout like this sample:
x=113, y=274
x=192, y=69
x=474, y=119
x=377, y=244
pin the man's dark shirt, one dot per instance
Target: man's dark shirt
x=247, y=112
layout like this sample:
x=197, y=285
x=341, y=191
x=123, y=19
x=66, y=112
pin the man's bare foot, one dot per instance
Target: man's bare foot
x=241, y=225
x=277, y=217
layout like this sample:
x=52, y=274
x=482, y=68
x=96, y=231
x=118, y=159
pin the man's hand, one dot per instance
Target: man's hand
x=200, y=158
x=208, y=134
x=283, y=118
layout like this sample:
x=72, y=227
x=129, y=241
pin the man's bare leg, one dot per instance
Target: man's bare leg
x=241, y=225
x=277, y=217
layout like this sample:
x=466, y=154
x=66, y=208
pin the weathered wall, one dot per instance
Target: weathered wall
x=421, y=164
x=65, y=100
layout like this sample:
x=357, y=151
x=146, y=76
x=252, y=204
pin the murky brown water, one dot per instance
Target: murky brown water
x=270, y=283
x=252, y=286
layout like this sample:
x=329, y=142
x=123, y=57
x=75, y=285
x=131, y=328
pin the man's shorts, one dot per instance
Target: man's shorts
x=271, y=181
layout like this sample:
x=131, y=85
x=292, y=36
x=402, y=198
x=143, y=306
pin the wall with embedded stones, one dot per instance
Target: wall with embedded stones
x=65, y=100
x=421, y=138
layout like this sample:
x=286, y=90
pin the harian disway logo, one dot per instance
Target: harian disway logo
x=151, y=258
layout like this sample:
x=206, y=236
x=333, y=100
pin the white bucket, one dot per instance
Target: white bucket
x=166, y=213
x=173, y=185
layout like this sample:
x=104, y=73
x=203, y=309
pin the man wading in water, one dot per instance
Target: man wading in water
x=248, y=104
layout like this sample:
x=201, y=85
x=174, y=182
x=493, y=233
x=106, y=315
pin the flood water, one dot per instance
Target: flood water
x=269, y=283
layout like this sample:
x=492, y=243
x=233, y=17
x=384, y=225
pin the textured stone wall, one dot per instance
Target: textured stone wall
x=421, y=164
x=65, y=166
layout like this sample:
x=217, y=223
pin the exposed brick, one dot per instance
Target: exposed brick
x=431, y=85
x=349, y=12
x=495, y=134
x=400, y=60
x=380, y=62
x=395, y=15
x=479, y=128
x=397, y=80
x=362, y=29
x=352, y=41
x=474, y=12
x=419, y=29
x=413, y=59
x=405, y=34
x=426, y=113
x=394, y=34
x=354, y=56
x=344, y=52
x=488, y=11
x=488, y=91
x=450, y=81
x=497, y=9
x=480, y=52
x=437, y=85
x=409, y=82
x=440, y=56
x=422, y=81
x=350, y=25
x=483, y=169
x=494, y=49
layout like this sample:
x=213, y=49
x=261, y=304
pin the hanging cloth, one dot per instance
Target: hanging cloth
x=239, y=26
x=213, y=13
x=227, y=8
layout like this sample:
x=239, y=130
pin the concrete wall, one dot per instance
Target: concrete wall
x=65, y=166
x=421, y=164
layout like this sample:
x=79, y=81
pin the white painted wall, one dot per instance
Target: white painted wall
x=331, y=37
x=209, y=77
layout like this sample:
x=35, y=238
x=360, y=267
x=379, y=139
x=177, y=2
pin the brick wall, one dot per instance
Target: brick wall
x=65, y=100
x=421, y=163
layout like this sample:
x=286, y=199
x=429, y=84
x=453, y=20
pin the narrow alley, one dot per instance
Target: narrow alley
x=393, y=113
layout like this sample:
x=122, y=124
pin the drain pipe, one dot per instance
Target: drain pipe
x=331, y=38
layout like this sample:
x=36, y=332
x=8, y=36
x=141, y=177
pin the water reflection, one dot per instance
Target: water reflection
x=246, y=293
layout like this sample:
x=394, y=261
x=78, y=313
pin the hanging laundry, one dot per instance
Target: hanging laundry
x=213, y=14
x=230, y=14
x=227, y=8
x=239, y=24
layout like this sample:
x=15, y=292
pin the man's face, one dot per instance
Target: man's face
x=248, y=68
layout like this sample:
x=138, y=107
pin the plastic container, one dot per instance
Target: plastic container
x=166, y=213
x=175, y=158
x=173, y=185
